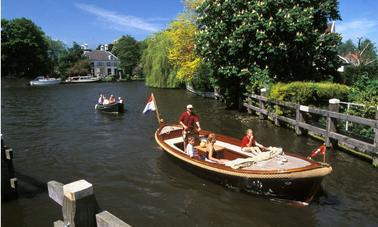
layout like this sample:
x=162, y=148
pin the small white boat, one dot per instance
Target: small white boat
x=42, y=81
x=82, y=79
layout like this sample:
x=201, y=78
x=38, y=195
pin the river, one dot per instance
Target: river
x=56, y=135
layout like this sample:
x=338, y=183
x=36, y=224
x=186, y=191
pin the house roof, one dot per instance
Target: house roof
x=100, y=55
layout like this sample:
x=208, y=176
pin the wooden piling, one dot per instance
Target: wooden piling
x=8, y=178
x=334, y=106
x=79, y=206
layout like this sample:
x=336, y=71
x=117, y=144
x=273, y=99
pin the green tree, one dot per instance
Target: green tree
x=346, y=48
x=364, y=52
x=56, y=50
x=80, y=68
x=24, y=50
x=127, y=50
x=157, y=70
x=285, y=40
x=69, y=58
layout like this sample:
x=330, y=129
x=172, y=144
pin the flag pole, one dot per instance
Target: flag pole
x=156, y=107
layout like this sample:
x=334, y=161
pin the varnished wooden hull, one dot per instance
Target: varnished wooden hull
x=298, y=185
x=295, y=190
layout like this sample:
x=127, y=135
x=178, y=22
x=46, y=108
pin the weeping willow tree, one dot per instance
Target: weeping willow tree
x=156, y=67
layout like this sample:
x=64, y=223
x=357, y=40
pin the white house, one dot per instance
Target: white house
x=102, y=61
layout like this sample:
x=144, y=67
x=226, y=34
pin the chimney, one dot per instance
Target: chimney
x=106, y=47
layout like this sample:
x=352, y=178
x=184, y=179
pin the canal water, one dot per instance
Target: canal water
x=57, y=135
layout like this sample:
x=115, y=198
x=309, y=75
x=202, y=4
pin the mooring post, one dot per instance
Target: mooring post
x=261, y=104
x=79, y=206
x=375, y=157
x=334, y=105
x=8, y=179
x=78, y=202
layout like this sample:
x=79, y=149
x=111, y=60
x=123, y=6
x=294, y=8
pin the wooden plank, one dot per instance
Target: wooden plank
x=361, y=145
x=257, y=109
x=55, y=190
x=106, y=219
x=318, y=111
x=312, y=128
x=286, y=119
x=358, y=120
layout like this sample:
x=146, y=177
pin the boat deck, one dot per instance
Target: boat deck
x=280, y=162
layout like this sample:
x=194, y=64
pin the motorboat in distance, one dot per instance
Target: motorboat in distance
x=278, y=175
x=82, y=79
x=43, y=81
x=107, y=107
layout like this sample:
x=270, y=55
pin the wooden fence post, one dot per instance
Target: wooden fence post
x=334, y=105
x=8, y=179
x=299, y=118
x=375, y=157
x=261, y=104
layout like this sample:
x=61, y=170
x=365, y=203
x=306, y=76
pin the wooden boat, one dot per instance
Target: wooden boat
x=82, y=79
x=44, y=81
x=110, y=108
x=287, y=176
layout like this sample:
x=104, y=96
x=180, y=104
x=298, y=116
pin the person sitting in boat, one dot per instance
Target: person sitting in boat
x=112, y=99
x=210, y=150
x=101, y=99
x=120, y=100
x=190, y=123
x=249, y=143
x=190, y=150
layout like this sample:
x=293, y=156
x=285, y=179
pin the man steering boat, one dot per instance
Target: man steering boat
x=190, y=123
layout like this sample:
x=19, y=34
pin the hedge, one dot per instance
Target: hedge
x=309, y=93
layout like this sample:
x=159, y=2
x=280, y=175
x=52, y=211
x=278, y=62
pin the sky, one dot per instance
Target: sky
x=98, y=22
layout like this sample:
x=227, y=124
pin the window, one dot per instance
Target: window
x=108, y=63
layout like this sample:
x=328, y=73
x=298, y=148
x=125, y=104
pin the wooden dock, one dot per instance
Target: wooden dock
x=332, y=137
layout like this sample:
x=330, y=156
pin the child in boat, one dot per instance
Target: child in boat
x=211, y=150
x=190, y=150
x=249, y=143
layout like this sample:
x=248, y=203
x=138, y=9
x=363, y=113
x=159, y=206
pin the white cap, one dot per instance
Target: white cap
x=189, y=106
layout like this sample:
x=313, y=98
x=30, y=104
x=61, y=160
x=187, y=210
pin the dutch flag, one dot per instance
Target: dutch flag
x=150, y=106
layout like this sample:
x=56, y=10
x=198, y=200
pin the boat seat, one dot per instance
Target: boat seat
x=233, y=148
